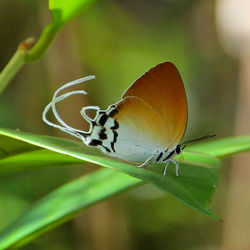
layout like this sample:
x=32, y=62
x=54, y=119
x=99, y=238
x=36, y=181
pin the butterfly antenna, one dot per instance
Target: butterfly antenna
x=198, y=139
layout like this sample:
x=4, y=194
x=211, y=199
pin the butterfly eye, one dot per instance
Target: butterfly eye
x=178, y=149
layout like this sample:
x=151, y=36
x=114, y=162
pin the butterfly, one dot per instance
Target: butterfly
x=145, y=126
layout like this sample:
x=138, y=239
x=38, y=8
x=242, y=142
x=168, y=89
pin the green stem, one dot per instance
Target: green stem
x=15, y=63
x=24, y=54
x=43, y=43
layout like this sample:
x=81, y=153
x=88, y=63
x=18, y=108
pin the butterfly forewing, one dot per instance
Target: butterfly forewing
x=162, y=88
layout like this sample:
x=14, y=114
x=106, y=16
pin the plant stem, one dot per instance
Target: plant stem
x=15, y=63
x=26, y=54
x=43, y=43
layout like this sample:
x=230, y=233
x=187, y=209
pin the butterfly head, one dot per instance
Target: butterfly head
x=179, y=149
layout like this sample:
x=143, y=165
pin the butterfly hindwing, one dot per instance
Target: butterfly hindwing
x=141, y=130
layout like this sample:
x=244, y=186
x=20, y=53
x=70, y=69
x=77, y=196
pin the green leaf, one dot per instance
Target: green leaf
x=62, y=204
x=34, y=159
x=223, y=147
x=62, y=11
x=194, y=187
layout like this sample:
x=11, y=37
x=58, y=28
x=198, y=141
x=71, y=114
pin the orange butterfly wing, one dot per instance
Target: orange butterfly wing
x=141, y=132
x=142, y=120
x=162, y=88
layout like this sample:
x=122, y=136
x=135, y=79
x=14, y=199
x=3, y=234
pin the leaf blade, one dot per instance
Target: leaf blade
x=62, y=11
x=63, y=203
x=223, y=147
x=175, y=186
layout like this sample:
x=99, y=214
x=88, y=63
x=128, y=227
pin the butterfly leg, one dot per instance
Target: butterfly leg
x=176, y=166
x=146, y=162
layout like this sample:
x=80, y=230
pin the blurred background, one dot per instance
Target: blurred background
x=118, y=40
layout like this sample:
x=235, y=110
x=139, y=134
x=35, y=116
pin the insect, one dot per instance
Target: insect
x=145, y=126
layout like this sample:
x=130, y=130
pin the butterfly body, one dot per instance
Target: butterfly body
x=146, y=125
